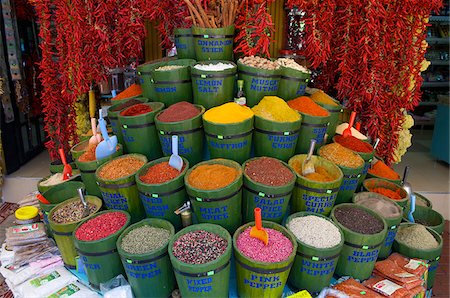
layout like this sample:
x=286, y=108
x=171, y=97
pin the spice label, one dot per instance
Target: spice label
x=219, y=213
x=143, y=271
x=349, y=184
x=126, y=137
x=365, y=256
x=301, y=90
x=165, y=89
x=180, y=46
x=283, y=142
x=25, y=228
x=115, y=201
x=318, y=268
x=404, y=275
x=319, y=204
x=224, y=145
x=413, y=264
x=319, y=134
x=67, y=291
x=91, y=266
x=154, y=207
x=184, y=147
x=214, y=46
x=270, y=208
x=202, y=285
x=386, y=287
x=37, y=282
x=209, y=86
x=264, y=85
x=390, y=237
x=263, y=281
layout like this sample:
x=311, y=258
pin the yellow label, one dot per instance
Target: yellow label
x=301, y=294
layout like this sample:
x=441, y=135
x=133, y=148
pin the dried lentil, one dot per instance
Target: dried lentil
x=125, y=105
x=179, y=112
x=394, y=195
x=212, y=176
x=160, y=173
x=354, y=144
x=136, y=110
x=315, y=231
x=101, y=226
x=275, y=109
x=268, y=171
x=71, y=212
x=341, y=156
x=144, y=239
x=278, y=249
x=120, y=167
x=416, y=236
x=358, y=220
x=199, y=247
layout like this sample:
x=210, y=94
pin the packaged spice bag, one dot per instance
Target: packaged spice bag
x=390, y=270
x=354, y=289
x=386, y=287
x=417, y=267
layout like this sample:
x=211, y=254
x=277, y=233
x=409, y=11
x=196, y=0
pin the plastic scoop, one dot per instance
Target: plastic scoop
x=175, y=160
x=308, y=164
x=67, y=171
x=106, y=147
x=412, y=197
x=86, y=211
x=42, y=199
x=258, y=231
x=348, y=131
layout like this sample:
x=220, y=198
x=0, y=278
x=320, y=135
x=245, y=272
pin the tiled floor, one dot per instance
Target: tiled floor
x=441, y=287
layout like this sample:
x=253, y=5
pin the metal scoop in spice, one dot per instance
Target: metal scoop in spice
x=86, y=210
x=308, y=164
x=258, y=231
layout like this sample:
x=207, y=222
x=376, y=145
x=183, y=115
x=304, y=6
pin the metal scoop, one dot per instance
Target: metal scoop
x=107, y=147
x=258, y=231
x=86, y=211
x=411, y=196
x=175, y=160
x=348, y=131
x=375, y=145
x=308, y=164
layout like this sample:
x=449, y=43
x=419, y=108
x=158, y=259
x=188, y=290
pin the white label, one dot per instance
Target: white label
x=413, y=264
x=406, y=274
x=386, y=287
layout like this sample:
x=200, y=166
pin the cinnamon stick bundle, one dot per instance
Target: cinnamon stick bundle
x=218, y=14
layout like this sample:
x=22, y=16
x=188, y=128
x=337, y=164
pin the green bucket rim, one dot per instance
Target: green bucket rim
x=200, y=107
x=241, y=66
x=425, y=199
x=78, y=144
x=430, y=230
x=426, y=209
x=110, y=109
x=145, y=167
x=360, y=168
x=233, y=69
x=57, y=187
x=97, y=202
x=357, y=152
x=294, y=177
x=381, y=197
x=278, y=122
x=156, y=106
x=331, y=164
x=389, y=183
x=233, y=124
x=92, y=162
x=136, y=155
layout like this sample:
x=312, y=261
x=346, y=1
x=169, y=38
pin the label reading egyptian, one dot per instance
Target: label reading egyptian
x=115, y=201
x=154, y=207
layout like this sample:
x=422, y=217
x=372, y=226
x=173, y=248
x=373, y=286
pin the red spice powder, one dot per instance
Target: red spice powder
x=354, y=144
x=101, y=226
x=179, y=112
x=380, y=169
x=89, y=155
x=306, y=105
x=135, y=110
x=160, y=173
x=394, y=195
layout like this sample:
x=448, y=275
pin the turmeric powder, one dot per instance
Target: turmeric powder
x=213, y=176
x=275, y=109
x=323, y=98
x=228, y=113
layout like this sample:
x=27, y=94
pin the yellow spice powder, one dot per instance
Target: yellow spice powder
x=322, y=97
x=276, y=109
x=228, y=113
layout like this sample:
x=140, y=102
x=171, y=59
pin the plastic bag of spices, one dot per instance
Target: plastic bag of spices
x=25, y=234
x=354, y=289
x=386, y=287
x=390, y=270
x=74, y=290
x=414, y=266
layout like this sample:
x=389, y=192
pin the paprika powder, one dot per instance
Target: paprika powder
x=306, y=105
x=136, y=110
x=179, y=112
x=394, y=195
x=380, y=169
x=160, y=173
x=353, y=143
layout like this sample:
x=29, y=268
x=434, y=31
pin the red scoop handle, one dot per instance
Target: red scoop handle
x=258, y=219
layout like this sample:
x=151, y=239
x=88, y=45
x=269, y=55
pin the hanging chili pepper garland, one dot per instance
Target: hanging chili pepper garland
x=371, y=52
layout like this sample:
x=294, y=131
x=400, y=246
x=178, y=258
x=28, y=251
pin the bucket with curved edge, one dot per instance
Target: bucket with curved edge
x=221, y=206
x=313, y=127
x=431, y=256
x=119, y=101
x=87, y=170
x=122, y=193
x=230, y=141
x=150, y=274
x=100, y=258
x=371, y=183
x=44, y=188
x=145, y=74
x=360, y=251
x=311, y=195
x=161, y=200
x=427, y=217
x=213, y=88
x=392, y=222
x=213, y=43
x=172, y=86
x=273, y=200
x=139, y=132
x=184, y=42
x=349, y=182
x=335, y=112
x=203, y=280
x=313, y=267
x=275, y=139
x=190, y=136
x=292, y=83
x=78, y=149
x=56, y=195
x=114, y=119
x=371, y=175
x=57, y=166
x=262, y=279
x=423, y=201
x=258, y=82
x=62, y=233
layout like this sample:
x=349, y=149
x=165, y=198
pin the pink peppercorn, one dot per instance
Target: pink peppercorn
x=278, y=249
x=101, y=226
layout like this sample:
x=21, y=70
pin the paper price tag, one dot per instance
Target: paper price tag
x=386, y=287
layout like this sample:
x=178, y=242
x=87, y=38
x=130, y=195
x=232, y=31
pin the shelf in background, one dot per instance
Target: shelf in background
x=435, y=84
x=438, y=40
x=439, y=62
x=428, y=103
x=439, y=19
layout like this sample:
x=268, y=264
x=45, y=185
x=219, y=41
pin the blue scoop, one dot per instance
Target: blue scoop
x=107, y=147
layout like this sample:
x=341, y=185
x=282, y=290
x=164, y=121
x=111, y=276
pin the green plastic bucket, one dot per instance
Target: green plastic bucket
x=190, y=136
x=392, y=222
x=371, y=183
x=213, y=88
x=139, y=132
x=56, y=195
x=396, y=181
x=335, y=112
x=145, y=73
x=122, y=193
x=258, y=82
x=62, y=233
x=360, y=251
x=149, y=274
x=292, y=83
x=313, y=267
x=230, y=141
x=114, y=119
x=58, y=167
x=273, y=200
x=260, y=279
x=87, y=170
x=275, y=139
x=184, y=42
x=100, y=258
x=427, y=217
x=218, y=206
x=172, y=86
x=44, y=188
x=313, y=127
x=423, y=201
x=205, y=280
x=213, y=43
x=349, y=182
x=161, y=200
x=78, y=149
x=432, y=256
x=315, y=196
